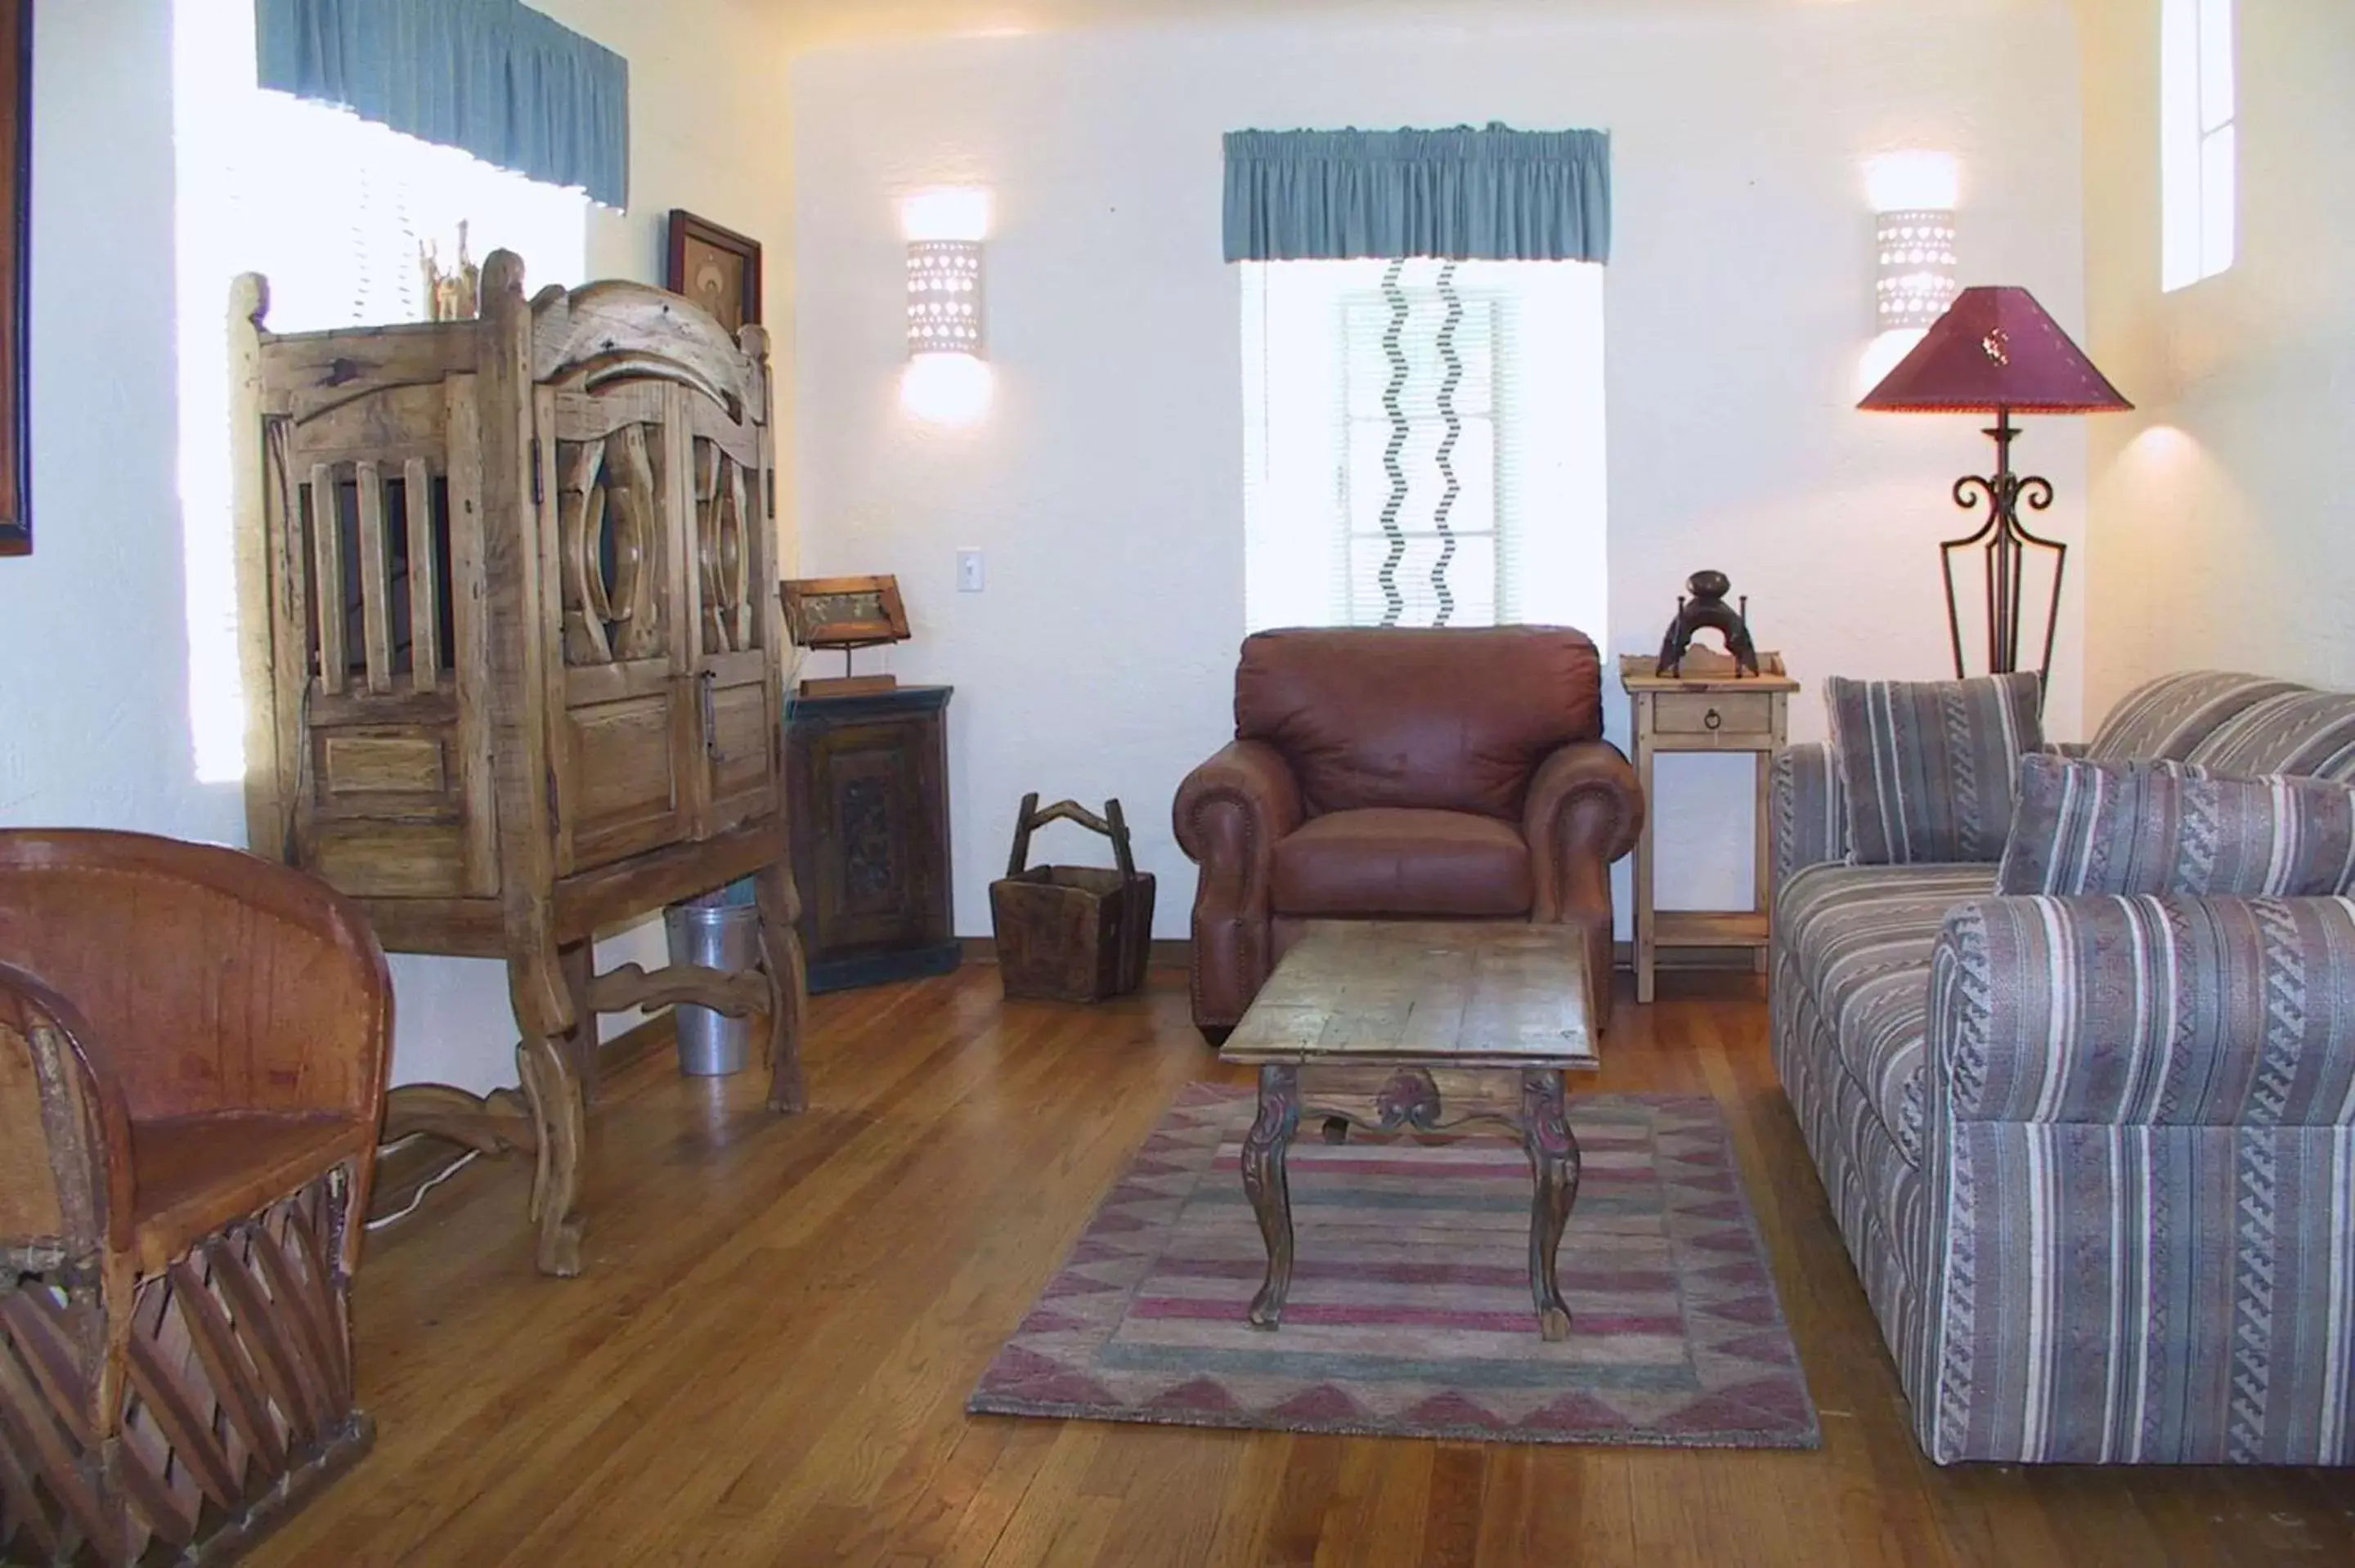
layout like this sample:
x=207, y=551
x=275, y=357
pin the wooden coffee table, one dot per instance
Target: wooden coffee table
x=1431, y=1025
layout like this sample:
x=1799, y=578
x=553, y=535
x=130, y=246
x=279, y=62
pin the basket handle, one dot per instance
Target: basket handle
x=1111, y=825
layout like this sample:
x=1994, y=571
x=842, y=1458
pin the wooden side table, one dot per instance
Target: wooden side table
x=1706, y=708
x=869, y=780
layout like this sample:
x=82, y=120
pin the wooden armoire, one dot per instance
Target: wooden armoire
x=512, y=650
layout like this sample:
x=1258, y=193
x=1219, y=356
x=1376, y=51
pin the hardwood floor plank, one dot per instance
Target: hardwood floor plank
x=768, y=1360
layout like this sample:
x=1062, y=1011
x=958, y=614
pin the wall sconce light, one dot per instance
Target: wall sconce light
x=944, y=297
x=947, y=381
x=1914, y=196
x=1916, y=281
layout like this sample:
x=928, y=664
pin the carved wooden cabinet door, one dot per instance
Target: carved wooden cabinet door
x=370, y=506
x=736, y=619
x=617, y=576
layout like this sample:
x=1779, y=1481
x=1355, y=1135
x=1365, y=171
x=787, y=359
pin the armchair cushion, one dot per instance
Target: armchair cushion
x=2168, y=827
x=1454, y=719
x=1928, y=767
x=1380, y=861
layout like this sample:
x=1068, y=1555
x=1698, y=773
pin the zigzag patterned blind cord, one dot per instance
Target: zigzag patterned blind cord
x=1396, y=340
x=1423, y=443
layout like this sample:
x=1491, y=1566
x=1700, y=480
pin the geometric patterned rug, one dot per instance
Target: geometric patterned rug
x=1409, y=1312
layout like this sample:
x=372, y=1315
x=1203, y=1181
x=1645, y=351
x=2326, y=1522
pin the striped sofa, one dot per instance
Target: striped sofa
x=2093, y=1157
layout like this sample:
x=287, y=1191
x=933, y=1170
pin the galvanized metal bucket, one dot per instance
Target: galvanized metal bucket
x=715, y=936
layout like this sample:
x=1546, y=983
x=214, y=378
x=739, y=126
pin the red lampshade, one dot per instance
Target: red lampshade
x=1994, y=349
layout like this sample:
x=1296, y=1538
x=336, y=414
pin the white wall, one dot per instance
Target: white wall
x=1105, y=485
x=93, y=645
x=2221, y=507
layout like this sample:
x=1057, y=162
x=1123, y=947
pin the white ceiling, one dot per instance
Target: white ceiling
x=816, y=23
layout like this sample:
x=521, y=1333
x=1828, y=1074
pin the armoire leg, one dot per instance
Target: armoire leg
x=549, y=1084
x=545, y=1009
x=579, y=963
x=780, y=955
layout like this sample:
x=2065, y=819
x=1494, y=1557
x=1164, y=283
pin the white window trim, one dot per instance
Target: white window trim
x=2198, y=114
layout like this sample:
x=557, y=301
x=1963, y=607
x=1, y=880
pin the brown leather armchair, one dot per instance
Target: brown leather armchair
x=1452, y=774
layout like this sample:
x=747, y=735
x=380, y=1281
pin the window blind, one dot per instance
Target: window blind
x=1424, y=444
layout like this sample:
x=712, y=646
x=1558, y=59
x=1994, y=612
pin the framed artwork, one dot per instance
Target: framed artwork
x=717, y=268
x=15, y=274
x=843, y=612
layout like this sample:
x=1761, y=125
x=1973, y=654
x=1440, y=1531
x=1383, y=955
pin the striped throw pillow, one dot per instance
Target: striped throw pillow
x=1928, y=767
x=2171, y=827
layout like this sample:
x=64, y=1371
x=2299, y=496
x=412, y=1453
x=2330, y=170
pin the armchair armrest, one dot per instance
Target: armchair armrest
x=1237, y=804
x=1585, y=810
x=1808, y=821
x=1229, y=814
x=2144, y=1012
x=66, y=1135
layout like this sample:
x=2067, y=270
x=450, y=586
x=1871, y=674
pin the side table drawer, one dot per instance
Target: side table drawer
x=1713, y=714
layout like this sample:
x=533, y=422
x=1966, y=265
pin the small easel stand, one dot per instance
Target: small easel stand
x=847, y=685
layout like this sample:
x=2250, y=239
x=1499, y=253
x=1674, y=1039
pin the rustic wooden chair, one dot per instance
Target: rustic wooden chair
x=193, y=1046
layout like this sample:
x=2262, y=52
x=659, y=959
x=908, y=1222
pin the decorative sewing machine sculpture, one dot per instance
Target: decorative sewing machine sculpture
x=513, y=665
x=1707, y=609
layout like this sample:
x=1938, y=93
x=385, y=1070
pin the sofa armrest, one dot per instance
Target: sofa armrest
x=2144, y=1011
x=1808, y=821
x=1585, y=810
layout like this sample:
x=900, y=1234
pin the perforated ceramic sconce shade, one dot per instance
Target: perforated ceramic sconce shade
x=944, y=297
x=1915, y=279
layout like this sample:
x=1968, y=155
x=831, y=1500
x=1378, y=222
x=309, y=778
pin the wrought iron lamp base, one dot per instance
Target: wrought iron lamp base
x=2006, y=543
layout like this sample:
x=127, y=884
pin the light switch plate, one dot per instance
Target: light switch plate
x=972, y=572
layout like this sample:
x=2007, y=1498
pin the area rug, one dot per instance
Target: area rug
x=1409, y=1312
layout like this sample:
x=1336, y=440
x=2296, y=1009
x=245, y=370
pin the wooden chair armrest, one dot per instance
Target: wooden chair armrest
x=85, y=1129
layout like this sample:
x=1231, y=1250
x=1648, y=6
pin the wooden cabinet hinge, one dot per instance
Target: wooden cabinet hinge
x=538, y=497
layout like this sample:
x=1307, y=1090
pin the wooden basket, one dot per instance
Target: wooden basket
x=1072, y=933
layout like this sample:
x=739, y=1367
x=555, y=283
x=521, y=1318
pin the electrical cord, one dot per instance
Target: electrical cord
x=426, y=1186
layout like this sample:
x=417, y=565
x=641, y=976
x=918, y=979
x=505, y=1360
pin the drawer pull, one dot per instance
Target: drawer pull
x=1711, y=719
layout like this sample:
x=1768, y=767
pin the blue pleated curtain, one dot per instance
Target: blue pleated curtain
x=1492, y=195
x=494, y=78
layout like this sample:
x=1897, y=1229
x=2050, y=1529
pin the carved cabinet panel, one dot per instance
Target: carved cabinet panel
x=869, y=778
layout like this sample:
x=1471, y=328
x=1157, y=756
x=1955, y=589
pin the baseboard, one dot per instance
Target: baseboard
x=1166, y=953
x=1175, y=952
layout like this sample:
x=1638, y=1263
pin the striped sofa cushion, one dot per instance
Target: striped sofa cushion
x=2165, y=719
x=2168, y=827
x=2304, y=732
x=1928, y=767
x=1861, y=937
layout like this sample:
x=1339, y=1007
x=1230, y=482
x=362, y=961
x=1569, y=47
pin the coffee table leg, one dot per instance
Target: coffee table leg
x=1553, y=1161
x=1271, y=1197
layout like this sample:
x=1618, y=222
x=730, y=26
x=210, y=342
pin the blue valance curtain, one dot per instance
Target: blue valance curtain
x=491, y=77
x=1463, y=194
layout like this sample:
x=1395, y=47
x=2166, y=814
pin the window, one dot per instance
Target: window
x=1423, y=443
x=339, y=215
x=2198, y=144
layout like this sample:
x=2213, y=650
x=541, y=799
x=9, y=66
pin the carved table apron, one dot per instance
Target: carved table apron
x=1429, y=1025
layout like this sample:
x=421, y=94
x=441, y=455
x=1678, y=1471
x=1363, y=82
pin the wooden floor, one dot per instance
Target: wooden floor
x=767, y=1358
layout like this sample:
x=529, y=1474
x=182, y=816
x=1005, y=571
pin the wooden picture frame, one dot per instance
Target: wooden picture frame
x=718, y=269
x=843, y=612
x=15, y=277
